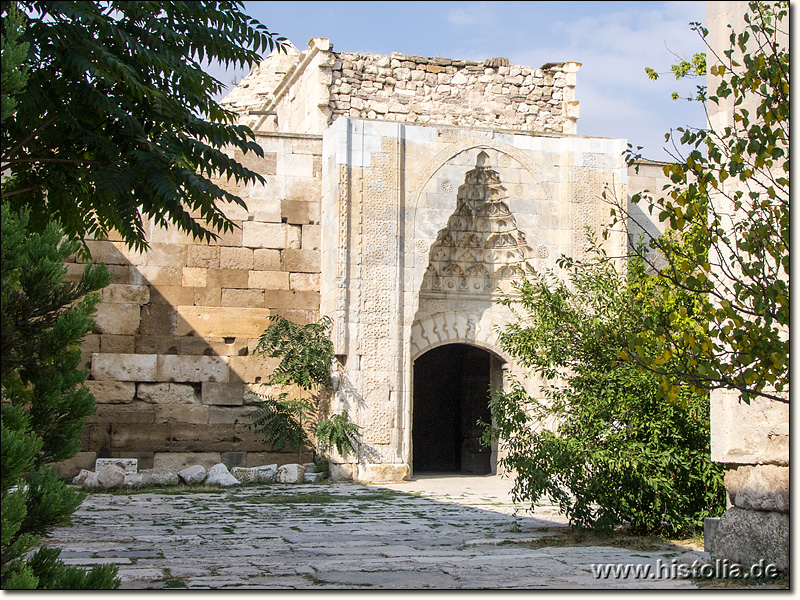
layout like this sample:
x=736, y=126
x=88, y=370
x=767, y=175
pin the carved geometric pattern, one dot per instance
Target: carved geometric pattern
x=456, y=327
x=481, y=245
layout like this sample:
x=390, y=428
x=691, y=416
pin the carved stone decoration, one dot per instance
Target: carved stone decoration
x=481, y=247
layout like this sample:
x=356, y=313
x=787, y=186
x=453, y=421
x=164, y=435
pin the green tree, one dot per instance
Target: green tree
x=44, y=403
x=732, y=188
x=118, y=122
x=306, y=354
x=600, y=438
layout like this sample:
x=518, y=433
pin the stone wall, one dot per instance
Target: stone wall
x=414, y=89
x=170, y=359
x=307, y=91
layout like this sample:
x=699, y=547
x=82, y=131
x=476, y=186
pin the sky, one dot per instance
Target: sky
x=614, y=41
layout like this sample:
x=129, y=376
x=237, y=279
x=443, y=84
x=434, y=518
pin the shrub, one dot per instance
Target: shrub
x=620, y=451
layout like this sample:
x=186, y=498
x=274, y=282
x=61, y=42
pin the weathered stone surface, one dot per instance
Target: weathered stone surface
x=158, y=477
x=342, y=471
x=219, y=475
x=192, y=368
x=176, y=461
x=81, y=461
x=111, y=392
x=133, y=480
x=759, y=487
x=292, y=473
x=261, y=474
x=124, y=367
x=166, y=393
x=748, y=536
x=223, y=394
x=81, y=477
x=312, y=477
x=383, y=472
x=110, y=477
x=192, y=475
x=130, y=465
x=90, y=481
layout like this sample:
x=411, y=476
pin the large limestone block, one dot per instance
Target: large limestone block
x=120, y=319
x=192, y=475
x=261, y=474
x=110, y=477
x=222, y=322
x=124, y=367
x=223, y=394
x=301, y=261
x=192, y=368
x=270, y=235
x=130, y=465
x=292, y=473
x=139, y=437
x=755, y=433
x=112, y=392
x=176, y=461
x=219, y=475
x=202, y=437
x=160, y=477
x=342, y=472
x=759, y=487
x=182, y=414
x=383, y=472
x=748, y=536
x=166, y=393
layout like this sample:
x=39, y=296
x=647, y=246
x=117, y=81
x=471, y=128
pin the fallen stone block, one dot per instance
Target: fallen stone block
x=133, y=480
x=193, y=474
x=310, y=467
x=266, y=473
x=90, y=482
x=219, y=475
x=292, y=473
x=261, y=474
x=110, y=477
x=130, y=465
x=158, y=477
x=81, y=477
x=312, y=477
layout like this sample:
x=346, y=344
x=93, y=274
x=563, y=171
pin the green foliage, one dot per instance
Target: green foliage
x=339, y=432
x=306, y=354
x=617, y=450
x=732, y=189
x=118, y=120
x=14, y=74
x=280, y=420
x=44, y=404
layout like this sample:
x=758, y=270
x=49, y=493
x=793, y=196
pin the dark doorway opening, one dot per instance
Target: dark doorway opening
x=451, y=393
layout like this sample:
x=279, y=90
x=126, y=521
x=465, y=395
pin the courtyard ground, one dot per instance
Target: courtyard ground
x=436, y=532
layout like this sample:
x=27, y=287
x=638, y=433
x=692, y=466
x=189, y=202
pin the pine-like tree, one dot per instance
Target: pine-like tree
x=44, y=403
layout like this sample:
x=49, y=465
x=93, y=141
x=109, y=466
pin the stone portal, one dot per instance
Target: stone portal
x=451, y=396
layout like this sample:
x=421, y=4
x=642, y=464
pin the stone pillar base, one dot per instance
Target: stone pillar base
x=748, y=536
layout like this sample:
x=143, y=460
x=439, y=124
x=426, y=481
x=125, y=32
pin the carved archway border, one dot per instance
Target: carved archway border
x=469, y=142
x=456, y=327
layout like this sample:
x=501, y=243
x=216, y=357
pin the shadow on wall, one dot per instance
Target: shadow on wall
x=170, y=358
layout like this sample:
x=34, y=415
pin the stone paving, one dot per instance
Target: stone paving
x=431, y=533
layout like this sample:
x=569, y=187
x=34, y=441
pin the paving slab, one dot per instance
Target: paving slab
x=435, y=532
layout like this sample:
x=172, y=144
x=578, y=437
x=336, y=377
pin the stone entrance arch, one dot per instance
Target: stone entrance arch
x=451, y=387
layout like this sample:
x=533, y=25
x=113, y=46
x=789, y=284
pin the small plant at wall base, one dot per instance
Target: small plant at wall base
x=306, y=354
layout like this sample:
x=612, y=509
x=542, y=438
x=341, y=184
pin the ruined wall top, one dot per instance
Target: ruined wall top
x=307, y=91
